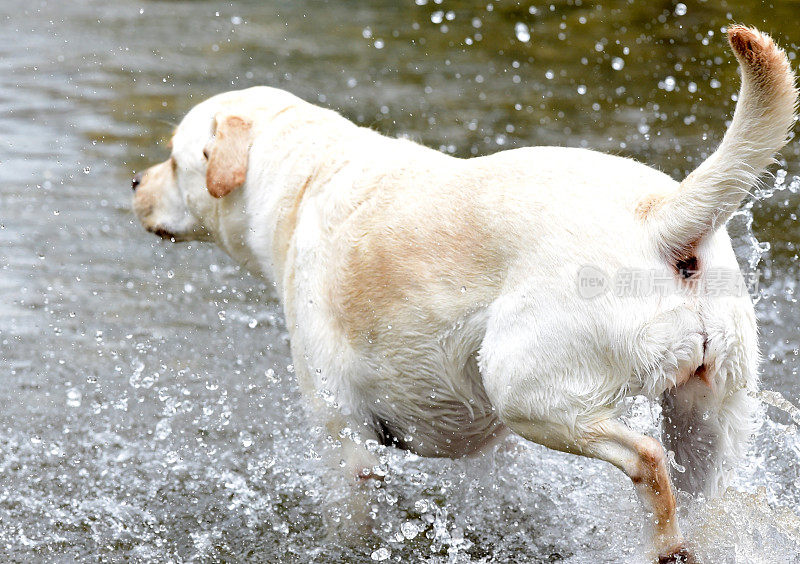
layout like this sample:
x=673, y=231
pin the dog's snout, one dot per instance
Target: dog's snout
x=137, y=179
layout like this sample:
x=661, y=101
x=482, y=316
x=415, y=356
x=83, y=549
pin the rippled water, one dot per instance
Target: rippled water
x=150, y=412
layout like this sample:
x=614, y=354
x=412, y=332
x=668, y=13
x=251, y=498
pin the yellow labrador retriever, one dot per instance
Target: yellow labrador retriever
x=436, y=303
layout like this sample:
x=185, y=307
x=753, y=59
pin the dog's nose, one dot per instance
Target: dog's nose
x=137, y=179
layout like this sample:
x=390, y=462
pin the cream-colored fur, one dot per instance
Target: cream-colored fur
x=433, y=302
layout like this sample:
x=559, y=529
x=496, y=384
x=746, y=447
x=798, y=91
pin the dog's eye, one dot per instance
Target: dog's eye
x=205, y=154
x=687, y=267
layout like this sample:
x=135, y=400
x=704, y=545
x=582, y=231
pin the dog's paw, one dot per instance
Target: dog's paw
x=678, y=555
x=671, y=349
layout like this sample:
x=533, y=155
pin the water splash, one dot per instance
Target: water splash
x=776, y=399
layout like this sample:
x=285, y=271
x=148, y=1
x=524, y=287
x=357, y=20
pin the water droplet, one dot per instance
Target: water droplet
x=74, y=397
x=381, y=554
x=522, y=32
x=272, y=378
x=327, y=396
x=87, y=170
x=674, y=463
x=409, y=530
x=617, y=63
x=680, y=9
x=163, y=429
x=136, y=378
x=221, y=315
x=253, y=323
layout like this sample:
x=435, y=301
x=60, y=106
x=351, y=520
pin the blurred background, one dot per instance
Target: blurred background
x=149, y=410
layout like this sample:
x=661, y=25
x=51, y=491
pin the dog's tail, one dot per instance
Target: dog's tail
x=764, y=115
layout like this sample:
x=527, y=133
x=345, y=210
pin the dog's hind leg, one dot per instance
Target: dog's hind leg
x=541, y=391
x=709, y=419
x=641, y=457
x=708, y=428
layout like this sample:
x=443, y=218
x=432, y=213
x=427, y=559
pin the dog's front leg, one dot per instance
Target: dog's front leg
x=348, y=515
x=359, y=464
x=360, y=468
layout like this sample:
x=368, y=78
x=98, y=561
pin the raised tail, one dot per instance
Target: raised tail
x=764, y=115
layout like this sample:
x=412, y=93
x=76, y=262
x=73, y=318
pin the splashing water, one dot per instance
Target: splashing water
x=150, y=412
x=776, y=399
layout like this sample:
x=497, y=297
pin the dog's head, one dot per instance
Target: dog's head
x=180, y=198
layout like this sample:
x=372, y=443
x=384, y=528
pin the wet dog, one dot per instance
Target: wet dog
x=436, y=304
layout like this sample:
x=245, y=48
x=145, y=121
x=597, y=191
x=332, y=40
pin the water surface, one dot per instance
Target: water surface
x=150, y=412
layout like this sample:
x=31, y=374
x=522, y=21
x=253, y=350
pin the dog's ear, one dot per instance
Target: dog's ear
x=227, y=154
